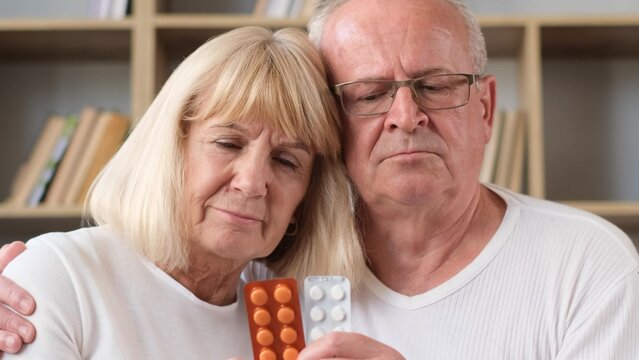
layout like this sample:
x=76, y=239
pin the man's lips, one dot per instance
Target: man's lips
x=410, y=154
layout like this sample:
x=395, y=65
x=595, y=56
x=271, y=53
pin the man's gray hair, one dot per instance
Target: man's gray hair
x=476, y=42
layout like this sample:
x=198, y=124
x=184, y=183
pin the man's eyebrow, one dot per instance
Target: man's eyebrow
x=417, y=74
x=431, y=71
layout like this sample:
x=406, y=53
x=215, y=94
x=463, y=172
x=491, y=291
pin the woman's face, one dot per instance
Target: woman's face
x=243, y=183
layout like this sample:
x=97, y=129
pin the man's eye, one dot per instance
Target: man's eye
x=372, y=97
x=430, y=88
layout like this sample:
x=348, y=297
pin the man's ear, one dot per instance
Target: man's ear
x=487, y=92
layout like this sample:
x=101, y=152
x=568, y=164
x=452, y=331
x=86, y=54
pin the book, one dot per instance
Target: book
x=109, y=132
x=278, y=8
x=99, y=9
x=37, y=161
x=118, y=9
x=519, y=155
x=491, y=150
x=260, y=7
x=70, y=161
x=506, y=147
x=18, y=178
x=51, y=165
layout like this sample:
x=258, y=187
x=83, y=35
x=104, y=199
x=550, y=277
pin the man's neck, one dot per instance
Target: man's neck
x=413, y=250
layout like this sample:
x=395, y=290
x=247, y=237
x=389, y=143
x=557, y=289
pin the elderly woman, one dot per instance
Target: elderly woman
x=236, y=160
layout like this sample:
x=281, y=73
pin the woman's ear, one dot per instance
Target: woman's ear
x=291, y=230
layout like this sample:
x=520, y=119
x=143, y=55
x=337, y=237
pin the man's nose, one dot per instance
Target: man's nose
x=405, y=113
x=252, y=176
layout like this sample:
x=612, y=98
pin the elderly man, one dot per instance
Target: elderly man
x=458, y=270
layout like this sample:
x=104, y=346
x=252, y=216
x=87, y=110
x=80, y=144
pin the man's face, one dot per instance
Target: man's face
x=408, y=155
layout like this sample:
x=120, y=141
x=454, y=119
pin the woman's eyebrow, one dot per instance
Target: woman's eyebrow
x=296, y=145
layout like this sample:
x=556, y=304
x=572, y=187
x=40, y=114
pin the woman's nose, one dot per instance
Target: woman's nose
x=252, y=176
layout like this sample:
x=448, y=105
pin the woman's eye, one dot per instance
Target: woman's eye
x=286, y=162
x=226, y=144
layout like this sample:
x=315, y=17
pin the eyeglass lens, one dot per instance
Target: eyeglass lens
x=370, y=97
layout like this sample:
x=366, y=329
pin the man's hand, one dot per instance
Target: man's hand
x=14, y=330
x=343, y=345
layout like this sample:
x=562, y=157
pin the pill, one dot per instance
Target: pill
x=338, y=313
x=290, y=353
x=288, y=335
x=316, y=333
x=261, y=317
x=337, y=292
x=317, y=314
x=264, y=337
x=267, y=354
x=282, y=294
x=259, y=296
x=285, y=315
x=316, y=293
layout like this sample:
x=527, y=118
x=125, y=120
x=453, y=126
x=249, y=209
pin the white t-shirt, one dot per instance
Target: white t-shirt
x=97, y=299
x=553, y=283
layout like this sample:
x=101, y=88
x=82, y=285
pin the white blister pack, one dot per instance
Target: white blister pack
x=326, y=306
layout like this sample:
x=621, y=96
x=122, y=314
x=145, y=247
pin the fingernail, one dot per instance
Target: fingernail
x=24, y=305
x=23, y=330
x=9, y=342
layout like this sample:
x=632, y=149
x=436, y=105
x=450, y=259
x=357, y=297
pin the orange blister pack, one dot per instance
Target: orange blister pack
x=274, y=316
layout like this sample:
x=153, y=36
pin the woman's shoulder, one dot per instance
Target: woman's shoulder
x=59, y=253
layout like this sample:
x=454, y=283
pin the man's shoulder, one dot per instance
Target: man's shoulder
x=558, y=226
x=555, y=213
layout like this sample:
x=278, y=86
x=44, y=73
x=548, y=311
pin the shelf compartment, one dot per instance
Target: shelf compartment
x=594, y=37
x=64, y=40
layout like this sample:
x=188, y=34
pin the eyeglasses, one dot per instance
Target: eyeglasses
x=433, y=92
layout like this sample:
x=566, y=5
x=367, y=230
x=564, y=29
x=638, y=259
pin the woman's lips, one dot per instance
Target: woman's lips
x=240, y=217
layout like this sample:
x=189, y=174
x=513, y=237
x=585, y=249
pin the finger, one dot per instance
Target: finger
x=9, y=252
x=329, y=346
x=10, y=343
x=15, y=297
x=345, y=345
x=12, y=323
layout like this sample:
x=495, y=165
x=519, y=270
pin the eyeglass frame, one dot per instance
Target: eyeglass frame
x=397, y=84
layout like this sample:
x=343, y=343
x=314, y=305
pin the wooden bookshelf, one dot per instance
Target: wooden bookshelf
x=140, y=51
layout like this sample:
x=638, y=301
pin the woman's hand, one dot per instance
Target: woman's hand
x=344, y=345
x=14, y=329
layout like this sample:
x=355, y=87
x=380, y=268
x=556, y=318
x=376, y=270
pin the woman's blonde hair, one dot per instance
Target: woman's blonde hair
x=247, y=73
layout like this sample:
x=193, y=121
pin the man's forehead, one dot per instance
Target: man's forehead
x=403, y=52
